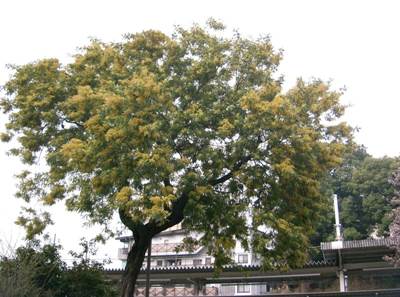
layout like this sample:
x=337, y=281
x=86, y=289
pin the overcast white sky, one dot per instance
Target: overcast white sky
x=354, y=43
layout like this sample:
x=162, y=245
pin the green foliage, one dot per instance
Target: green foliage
x=30, y=272
x=192, y=126
x=369, y=195
x=38, y=271
x=395, y=218
x=365, y=193
x=85, y=278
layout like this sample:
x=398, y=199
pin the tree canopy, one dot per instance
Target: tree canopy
x=36, y=270
x=30, y=272
x=193, y=127
x=363, y=186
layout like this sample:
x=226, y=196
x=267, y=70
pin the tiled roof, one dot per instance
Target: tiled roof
x=226, y=268
x=354, y=244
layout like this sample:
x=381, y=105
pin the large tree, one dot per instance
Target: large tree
x=192, y=127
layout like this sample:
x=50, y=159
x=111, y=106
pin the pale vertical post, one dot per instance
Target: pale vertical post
x=342, y=281
x=339, y=237
x=337, y=220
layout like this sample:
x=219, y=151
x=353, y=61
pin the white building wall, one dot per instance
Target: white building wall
x=163, y=254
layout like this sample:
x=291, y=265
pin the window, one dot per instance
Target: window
x=265, y=288
x=159, y=263
x=174, y=262
x=197, y=262
x=208, y=261
x=242, y=288
x=243, y=258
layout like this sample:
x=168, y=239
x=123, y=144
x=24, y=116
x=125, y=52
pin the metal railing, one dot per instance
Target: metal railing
x=172, y=292
x=164, y=247
x=157, y=248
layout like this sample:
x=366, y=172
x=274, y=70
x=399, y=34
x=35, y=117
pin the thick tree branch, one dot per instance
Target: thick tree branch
x=75, y=123
x=176, y=216
x=236, y=167
x=127, y=221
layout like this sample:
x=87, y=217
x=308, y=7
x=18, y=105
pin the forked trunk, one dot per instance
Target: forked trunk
x=142, y=236
x=133, y=265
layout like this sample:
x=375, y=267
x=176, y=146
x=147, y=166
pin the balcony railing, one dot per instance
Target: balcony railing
x=156, y=248
x=164, y=247
x=170, y=292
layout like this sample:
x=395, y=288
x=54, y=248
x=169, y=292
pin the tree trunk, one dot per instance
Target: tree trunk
x=133, y=265
x=142, y=236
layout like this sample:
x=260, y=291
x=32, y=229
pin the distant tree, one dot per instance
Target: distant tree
x=395, y=224
x=84, y=280
x=366, y=208
x=85, y=277
x=38, y=271
x=194, y=127
x=365, y=194
x=395, y=182
x=31, y=271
